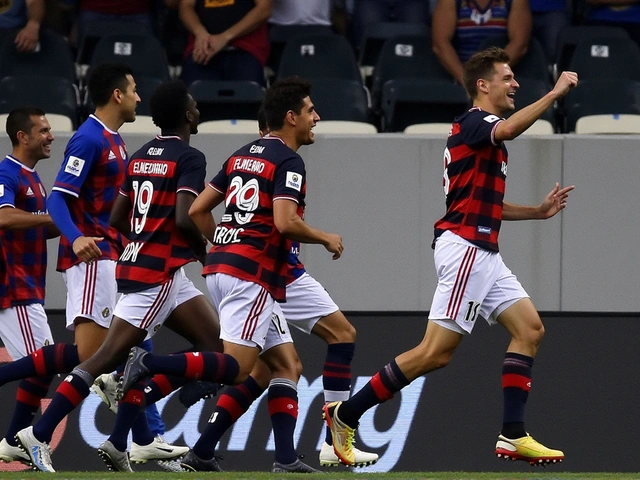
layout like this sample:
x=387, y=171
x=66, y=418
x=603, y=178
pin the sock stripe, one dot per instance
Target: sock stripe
x=39, y=362
x=231, y=405
x=70, y=393
x=283, y=405
x=163, y=383
x=195, y=365
x=515, y=380
x=28, y=398
x=379, y=388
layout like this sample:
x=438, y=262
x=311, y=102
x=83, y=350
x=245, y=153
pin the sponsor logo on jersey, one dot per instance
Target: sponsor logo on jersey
x=29, y=192
x=112, y=156
x=294, y=180
x=491, y=118
x=256, y=149
x=155, y=150
x=74, y=166
x=482, y=229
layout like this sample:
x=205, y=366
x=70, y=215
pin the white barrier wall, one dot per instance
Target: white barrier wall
x=383, y=193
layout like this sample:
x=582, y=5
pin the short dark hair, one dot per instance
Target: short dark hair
x=168, y=104
x=19, y=120
x=284, y=95
x=262, y=120
x=105, y=78
x=482, y=65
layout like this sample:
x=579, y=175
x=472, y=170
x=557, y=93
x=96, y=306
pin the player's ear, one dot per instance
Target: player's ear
x=482, y=85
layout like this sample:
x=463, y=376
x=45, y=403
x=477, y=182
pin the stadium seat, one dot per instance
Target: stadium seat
x=53, y=58
x=375, y=34
x=142, y=52
x=319, y=56
x=531, y=90
x=572, y=35
x=340, y=127
x=540, y=127
x=143, y=124
x=54, y=95
x=429, y=128
x=533, y=64
x=405, y=56
x=227, y=100
x=410, y=101
x=279, y=35
x=94, y=30
x=609, y=124
x=606, y=57
x=340, y=99
x=229, y=126
x=610, y=97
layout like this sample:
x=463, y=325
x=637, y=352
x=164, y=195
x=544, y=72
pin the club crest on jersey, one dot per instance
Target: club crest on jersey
x=44, y=194
x=123, y=153
x=74, y=166
x=294, y=180
x=156, y=328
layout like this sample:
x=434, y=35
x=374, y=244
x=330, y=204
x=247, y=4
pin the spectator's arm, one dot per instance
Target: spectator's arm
x=259, y=14
x=444, y=22
x=191, y=21
x=27, y=38
x=519, y=26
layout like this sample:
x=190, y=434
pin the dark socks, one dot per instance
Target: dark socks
x=283, y=409
x=516, y=383
x=30, y=392
x=336, y=375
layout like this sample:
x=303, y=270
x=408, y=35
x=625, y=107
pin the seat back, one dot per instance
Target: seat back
x=405, y=56
x=533, y=64
x=96, y=29
x=142, y=52
x=410, y=101
x=376, y=33
x=319, y=56
x=52, y=58
x=609, y=124
x=229, y=126
x=340, y=99
x=54, y=95
x=572, y=35
x=279, y=35
x=601, y=97
x=226, y=100
x=606, y=57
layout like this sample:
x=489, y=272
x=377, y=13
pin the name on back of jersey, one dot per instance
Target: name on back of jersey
x=152, y=168
x=249, y=165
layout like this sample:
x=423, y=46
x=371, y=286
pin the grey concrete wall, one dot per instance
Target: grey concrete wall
x=383, y=193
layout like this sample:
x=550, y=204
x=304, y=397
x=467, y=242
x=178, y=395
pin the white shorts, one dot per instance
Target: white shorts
x=307, y=302
x=148, y=309
x=472, y=283
x=246, y=312
x=91, y=292
x=24, y=329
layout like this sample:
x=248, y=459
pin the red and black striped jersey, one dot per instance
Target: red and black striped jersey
x=155, y=174
x=475, y=170
x=247, y=244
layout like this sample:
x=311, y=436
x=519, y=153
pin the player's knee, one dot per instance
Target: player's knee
x=536, y=334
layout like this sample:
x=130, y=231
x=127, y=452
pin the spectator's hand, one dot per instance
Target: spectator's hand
x=555, y=201
x=334, y=245
x=27, y=38
x=216, y=45
x=566, y=82
x=86, y=249
x=201, y=49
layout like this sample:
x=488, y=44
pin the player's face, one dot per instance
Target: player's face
x=502, y=89
x=129, y=100
x=194, y=118
x=39, y=138
x=306, y=121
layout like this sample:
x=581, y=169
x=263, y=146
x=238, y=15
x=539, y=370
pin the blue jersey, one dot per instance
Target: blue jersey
x=92, y=171
x=23, y=253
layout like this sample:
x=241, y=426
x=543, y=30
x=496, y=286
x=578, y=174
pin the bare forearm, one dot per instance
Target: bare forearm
x=449, y=59
x=35, y=11
x=205, y=222
x=191, y=20
x=512, y=211
x=252, y=20
x=296, y=229
x=15, y=219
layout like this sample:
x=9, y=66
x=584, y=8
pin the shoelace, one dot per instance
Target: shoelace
x=44, y=454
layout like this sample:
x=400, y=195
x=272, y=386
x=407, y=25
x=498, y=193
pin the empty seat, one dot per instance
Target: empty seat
x=342, y=127
x=96, y=29
x=375, y=34
x=319, y=56
x=572, y=35
x=279, y=35
x=610, y=97
x=53, y=58
x=229, y=126
x=410, y=101
x=533, y=64
x=340, y=99
x=406, y=56
x=609, y=124
x=54, y=95
x=142, y=52
x=143, y=124
x=224, y=100
x=606, y=57
x=429, y=128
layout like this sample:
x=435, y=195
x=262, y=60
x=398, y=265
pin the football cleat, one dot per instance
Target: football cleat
x=134, y=370
x=159, y=449
x=527, y=449
x=105, y=387
x=296, y=467
x=10, y=453
x=341, y=433
x=193, y=463
x=115, y=460
x=328, y=457
x=39, y=452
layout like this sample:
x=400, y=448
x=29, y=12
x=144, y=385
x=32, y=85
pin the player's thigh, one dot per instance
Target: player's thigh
x=307, y=302
x=278, y=333
x=522, y=321
x=283, y=361
x=24, y=329
x=91, y=293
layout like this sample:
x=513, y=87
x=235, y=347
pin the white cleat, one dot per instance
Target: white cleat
x=159, y=449
x=39, y=452
x=328, y=457
x=9, y=453
x=105, y=387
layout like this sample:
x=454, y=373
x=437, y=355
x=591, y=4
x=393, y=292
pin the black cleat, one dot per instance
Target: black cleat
x=296, y=467
x=193, y=463
x=134, y=370
x=194, y=391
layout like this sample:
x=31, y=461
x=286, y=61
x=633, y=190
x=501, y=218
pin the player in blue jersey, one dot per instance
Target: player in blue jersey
x=25, y=226
x=80, y=204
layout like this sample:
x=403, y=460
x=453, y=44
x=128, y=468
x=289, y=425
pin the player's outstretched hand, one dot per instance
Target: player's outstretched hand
x=334, y=245
x=555, y=201
x=86, y=249
x=566, y=82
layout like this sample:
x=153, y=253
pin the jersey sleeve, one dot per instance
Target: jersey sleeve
x=8, y=189
x=221, y=181
x=191, y=172
x=81, y=154
x=289, y=179
x=478, y=129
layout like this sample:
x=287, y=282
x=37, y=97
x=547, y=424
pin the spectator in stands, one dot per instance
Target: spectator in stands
x=25, y=17
x=460, y=26
x=329, y=13
x=371, y=11
x=616, y=13
x=229, y=40
x=549, y=18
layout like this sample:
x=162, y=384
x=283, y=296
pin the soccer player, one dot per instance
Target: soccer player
x=309, y=308
x=473, y=280
x=162, y=180
x=263, y=186
x=25, y=226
